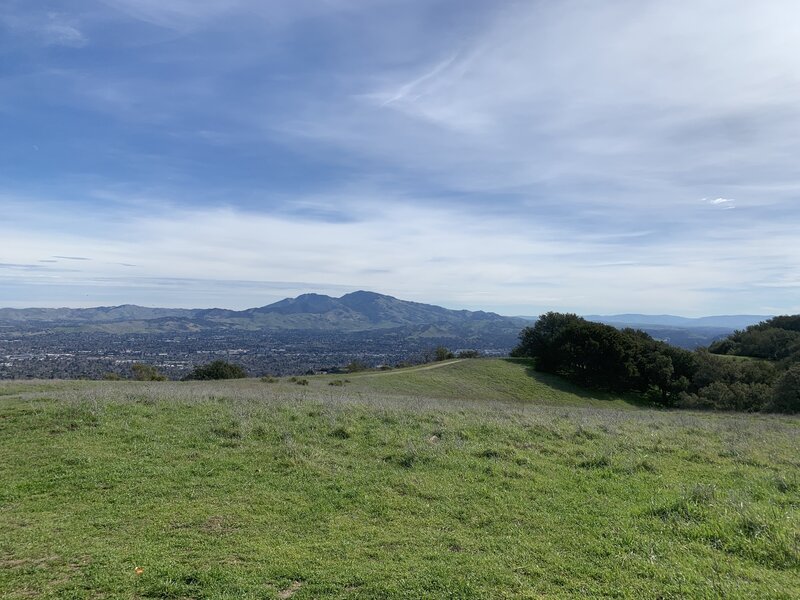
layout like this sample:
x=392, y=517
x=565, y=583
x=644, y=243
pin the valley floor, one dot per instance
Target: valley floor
x=474, y=479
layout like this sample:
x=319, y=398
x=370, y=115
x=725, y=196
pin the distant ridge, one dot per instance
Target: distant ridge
x=359, y=311
x=686, y=332
x=356, y=311
x=724, y=321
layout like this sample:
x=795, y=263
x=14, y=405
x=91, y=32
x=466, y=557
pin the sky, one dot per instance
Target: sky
x=520, y=157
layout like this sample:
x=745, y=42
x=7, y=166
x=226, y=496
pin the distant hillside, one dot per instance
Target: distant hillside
x=729, y=322
x=100, y=314
x=358, y=311
x=684, y=332
x=683, y=337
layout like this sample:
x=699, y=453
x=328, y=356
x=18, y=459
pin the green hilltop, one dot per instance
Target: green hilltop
x=498, y=380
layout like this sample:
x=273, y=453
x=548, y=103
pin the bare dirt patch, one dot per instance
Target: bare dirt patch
x=290, y=591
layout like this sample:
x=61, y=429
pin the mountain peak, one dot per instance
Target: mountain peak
x=304, y=303
x=365, y=295
x=373, y=306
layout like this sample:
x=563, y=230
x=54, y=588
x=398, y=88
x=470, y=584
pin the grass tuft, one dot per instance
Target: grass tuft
x=340, y=433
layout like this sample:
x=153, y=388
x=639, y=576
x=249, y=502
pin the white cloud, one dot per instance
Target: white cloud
x=442, y=255
x=723, y=203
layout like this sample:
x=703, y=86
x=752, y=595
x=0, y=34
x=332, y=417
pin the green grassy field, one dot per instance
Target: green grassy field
x=474, y=479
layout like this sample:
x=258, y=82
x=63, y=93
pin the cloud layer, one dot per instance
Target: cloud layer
x=511, y=156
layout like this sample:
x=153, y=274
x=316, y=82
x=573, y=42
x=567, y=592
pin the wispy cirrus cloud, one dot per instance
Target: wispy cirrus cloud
x=48, y=28
x=58, y=33
x=177, y=14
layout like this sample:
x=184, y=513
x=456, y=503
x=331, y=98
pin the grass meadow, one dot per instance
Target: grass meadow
x=475, y=479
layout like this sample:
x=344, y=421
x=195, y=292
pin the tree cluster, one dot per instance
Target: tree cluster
x=599, y=356
x=776, y=339
x=355, y=366
x=441, y=353
x=766, y=377
x=731, y=384
x=602, y=357
x=218, y=369
x=145, y=372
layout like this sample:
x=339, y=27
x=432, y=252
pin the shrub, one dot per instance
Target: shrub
x=355, y=366
x=340, y=433
x=786, y=392
x=143, y=372
x=734, y=396
x=219, y=369
x=441, y=353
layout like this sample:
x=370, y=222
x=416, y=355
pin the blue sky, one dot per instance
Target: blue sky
x=597, y=157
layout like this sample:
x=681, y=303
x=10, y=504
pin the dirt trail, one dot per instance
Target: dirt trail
x=436, y=365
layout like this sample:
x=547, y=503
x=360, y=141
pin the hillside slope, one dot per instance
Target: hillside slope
x=503, y=380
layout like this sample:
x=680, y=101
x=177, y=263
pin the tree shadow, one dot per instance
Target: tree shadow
x=559, y=383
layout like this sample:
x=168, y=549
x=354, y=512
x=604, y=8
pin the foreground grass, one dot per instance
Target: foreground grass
x=379, y=490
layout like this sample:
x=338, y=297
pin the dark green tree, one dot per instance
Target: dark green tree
x=543, y=340
x=442, y=353
x=600, y=356
x=144, y=372
x=218, y=369
x=786, y=393
x=354, y=366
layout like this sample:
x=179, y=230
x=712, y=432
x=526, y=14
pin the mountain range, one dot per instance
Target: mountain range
x=357, y=311
x=682, y=331
x=360, y=311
